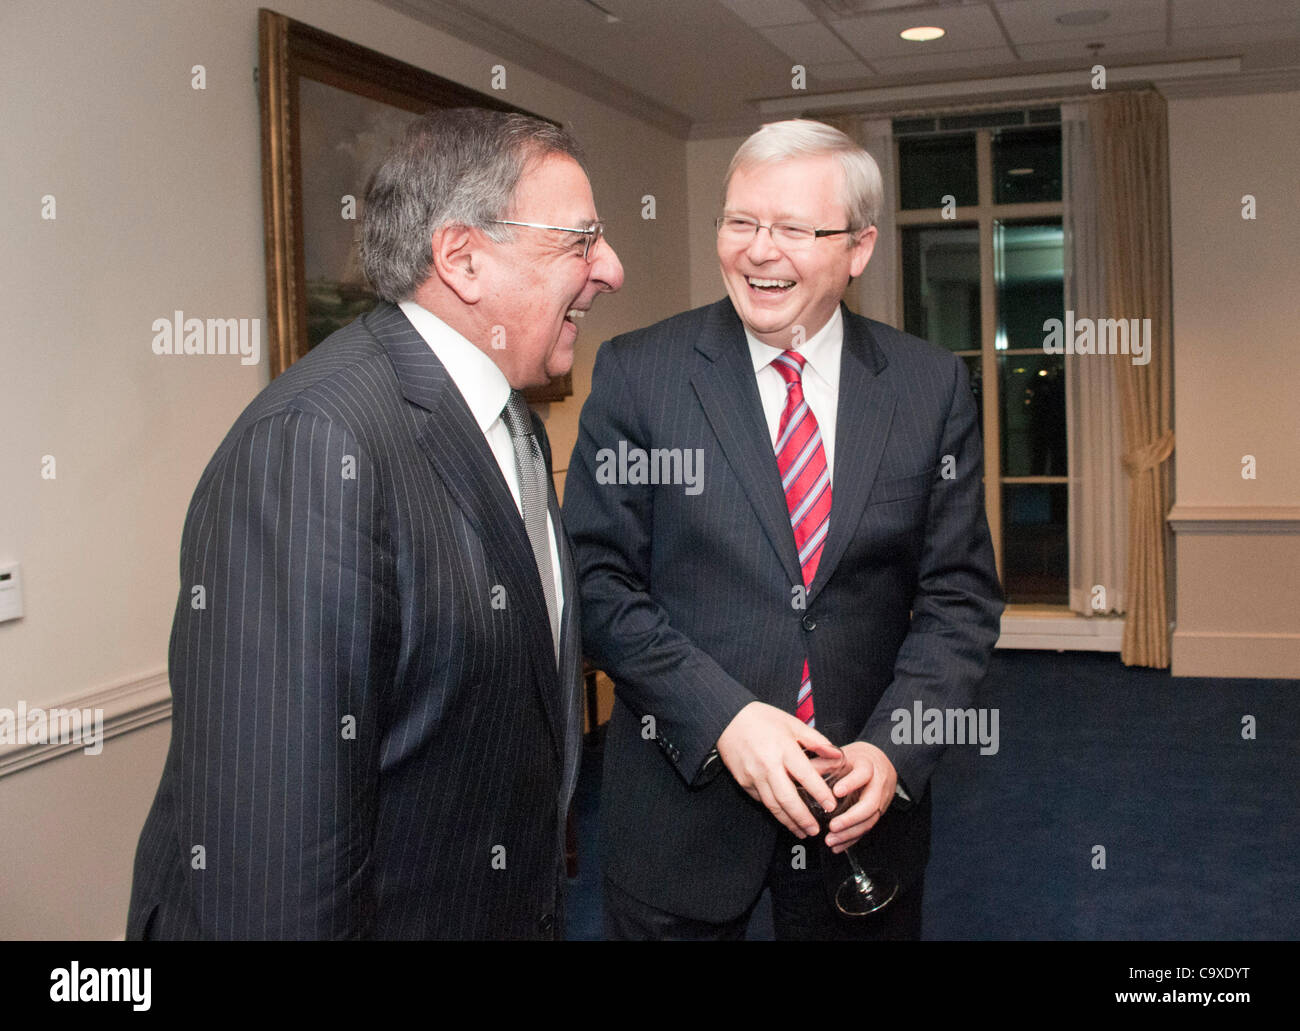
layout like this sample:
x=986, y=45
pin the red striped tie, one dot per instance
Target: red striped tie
x=806, y=480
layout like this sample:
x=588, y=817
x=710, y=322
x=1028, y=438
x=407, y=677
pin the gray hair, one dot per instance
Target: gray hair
x=454, y=167
x=802, y=138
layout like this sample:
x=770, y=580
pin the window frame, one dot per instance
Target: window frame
x=985, y=215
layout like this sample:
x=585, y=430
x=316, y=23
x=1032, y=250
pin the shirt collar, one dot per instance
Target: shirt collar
x=483, y=386
x=821, y=351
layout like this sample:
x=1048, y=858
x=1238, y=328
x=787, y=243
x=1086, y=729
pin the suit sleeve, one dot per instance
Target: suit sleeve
x=283, y=630
x=958, y=603
x=658, y=670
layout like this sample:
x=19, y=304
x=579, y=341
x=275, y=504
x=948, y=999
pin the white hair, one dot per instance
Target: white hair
x=802, y=138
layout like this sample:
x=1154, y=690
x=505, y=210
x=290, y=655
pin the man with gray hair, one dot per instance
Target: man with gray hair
x=834, y=568
x=374, y=659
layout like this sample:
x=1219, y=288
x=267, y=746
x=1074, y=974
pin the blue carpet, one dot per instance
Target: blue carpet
x=1199, y=826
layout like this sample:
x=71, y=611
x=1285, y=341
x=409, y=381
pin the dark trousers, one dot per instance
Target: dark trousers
x=802, y=909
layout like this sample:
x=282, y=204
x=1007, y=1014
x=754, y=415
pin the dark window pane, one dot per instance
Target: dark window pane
x=1027, y=165
x=941, y=285
x=911, y=126
x=1033, y=414
x=1035, y=555
x=1028, y=262
x=931, y=167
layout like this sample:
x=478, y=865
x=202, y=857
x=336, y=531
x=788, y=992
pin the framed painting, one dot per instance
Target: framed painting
x=330, y=110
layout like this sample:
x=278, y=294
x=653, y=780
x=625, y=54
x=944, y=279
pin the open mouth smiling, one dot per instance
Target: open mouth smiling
x=769, y=286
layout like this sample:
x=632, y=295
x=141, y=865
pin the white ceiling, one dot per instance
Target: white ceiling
x=698, y=67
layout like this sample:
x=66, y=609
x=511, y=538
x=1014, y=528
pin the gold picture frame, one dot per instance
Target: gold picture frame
x=301, y=69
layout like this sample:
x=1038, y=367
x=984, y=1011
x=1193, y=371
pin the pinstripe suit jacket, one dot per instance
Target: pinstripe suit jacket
x=690, y=602
x=369, y=737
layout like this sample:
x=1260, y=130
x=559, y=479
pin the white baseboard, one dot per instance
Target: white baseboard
x=1217, y=654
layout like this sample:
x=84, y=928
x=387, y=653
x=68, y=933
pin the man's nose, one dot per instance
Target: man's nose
x=761, y=246
x=606, y=269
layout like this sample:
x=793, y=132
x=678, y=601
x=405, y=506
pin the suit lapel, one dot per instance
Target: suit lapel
x=728, y=393
x=862, y=418
x=460, y=455
x=570, y=656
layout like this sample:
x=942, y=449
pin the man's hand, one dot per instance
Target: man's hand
x=763, y=748
x=875, y=774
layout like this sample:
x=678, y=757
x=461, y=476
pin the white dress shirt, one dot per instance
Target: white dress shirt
x=821, y=382
x=486, y=390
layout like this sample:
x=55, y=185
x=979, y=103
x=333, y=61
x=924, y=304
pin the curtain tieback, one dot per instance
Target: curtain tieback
x=1149, y=455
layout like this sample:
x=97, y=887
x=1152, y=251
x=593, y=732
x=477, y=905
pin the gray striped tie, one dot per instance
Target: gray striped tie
x=533, y=493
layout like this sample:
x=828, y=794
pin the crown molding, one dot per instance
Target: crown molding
x=1269, y=80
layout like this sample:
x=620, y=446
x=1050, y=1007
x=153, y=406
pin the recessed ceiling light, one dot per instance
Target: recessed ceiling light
x=1073, y=18
x=922, y=33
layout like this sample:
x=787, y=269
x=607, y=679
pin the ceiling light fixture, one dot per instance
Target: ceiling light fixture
x=852, y=8
x=922, y=33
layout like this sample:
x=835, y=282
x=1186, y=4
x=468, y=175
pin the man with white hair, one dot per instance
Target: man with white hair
x=830, y=566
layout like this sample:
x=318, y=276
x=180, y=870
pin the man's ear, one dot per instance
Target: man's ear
x=863, y=245
x=458, y=260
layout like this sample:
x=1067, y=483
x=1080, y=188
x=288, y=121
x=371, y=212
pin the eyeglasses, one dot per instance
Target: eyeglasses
x=739, y=229
x=591, y=234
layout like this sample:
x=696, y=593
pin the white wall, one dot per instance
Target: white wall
x=158, y=198
x=706, y=167
x=1236, y=384
x=1236, y=289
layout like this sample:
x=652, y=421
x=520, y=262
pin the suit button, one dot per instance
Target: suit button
x=809, y=623
x=546, y=923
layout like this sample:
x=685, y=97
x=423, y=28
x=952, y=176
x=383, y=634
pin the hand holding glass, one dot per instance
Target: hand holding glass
x=862, y=892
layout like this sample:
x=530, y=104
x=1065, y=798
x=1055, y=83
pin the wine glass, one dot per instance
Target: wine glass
x=861, y=893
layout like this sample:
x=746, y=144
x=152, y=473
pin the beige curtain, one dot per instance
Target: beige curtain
x=1130, y=142
x=875, y=293
x=1098, y=508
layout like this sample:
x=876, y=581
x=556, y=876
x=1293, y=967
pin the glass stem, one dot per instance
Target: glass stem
x=860, y=879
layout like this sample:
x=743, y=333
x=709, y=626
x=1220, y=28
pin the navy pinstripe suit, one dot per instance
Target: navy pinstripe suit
x=689, y=601
x=370, y=737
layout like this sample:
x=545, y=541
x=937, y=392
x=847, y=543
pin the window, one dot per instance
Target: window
x=982, y=268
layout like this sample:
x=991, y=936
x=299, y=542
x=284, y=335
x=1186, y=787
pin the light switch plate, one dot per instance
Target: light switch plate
x=11, y=592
